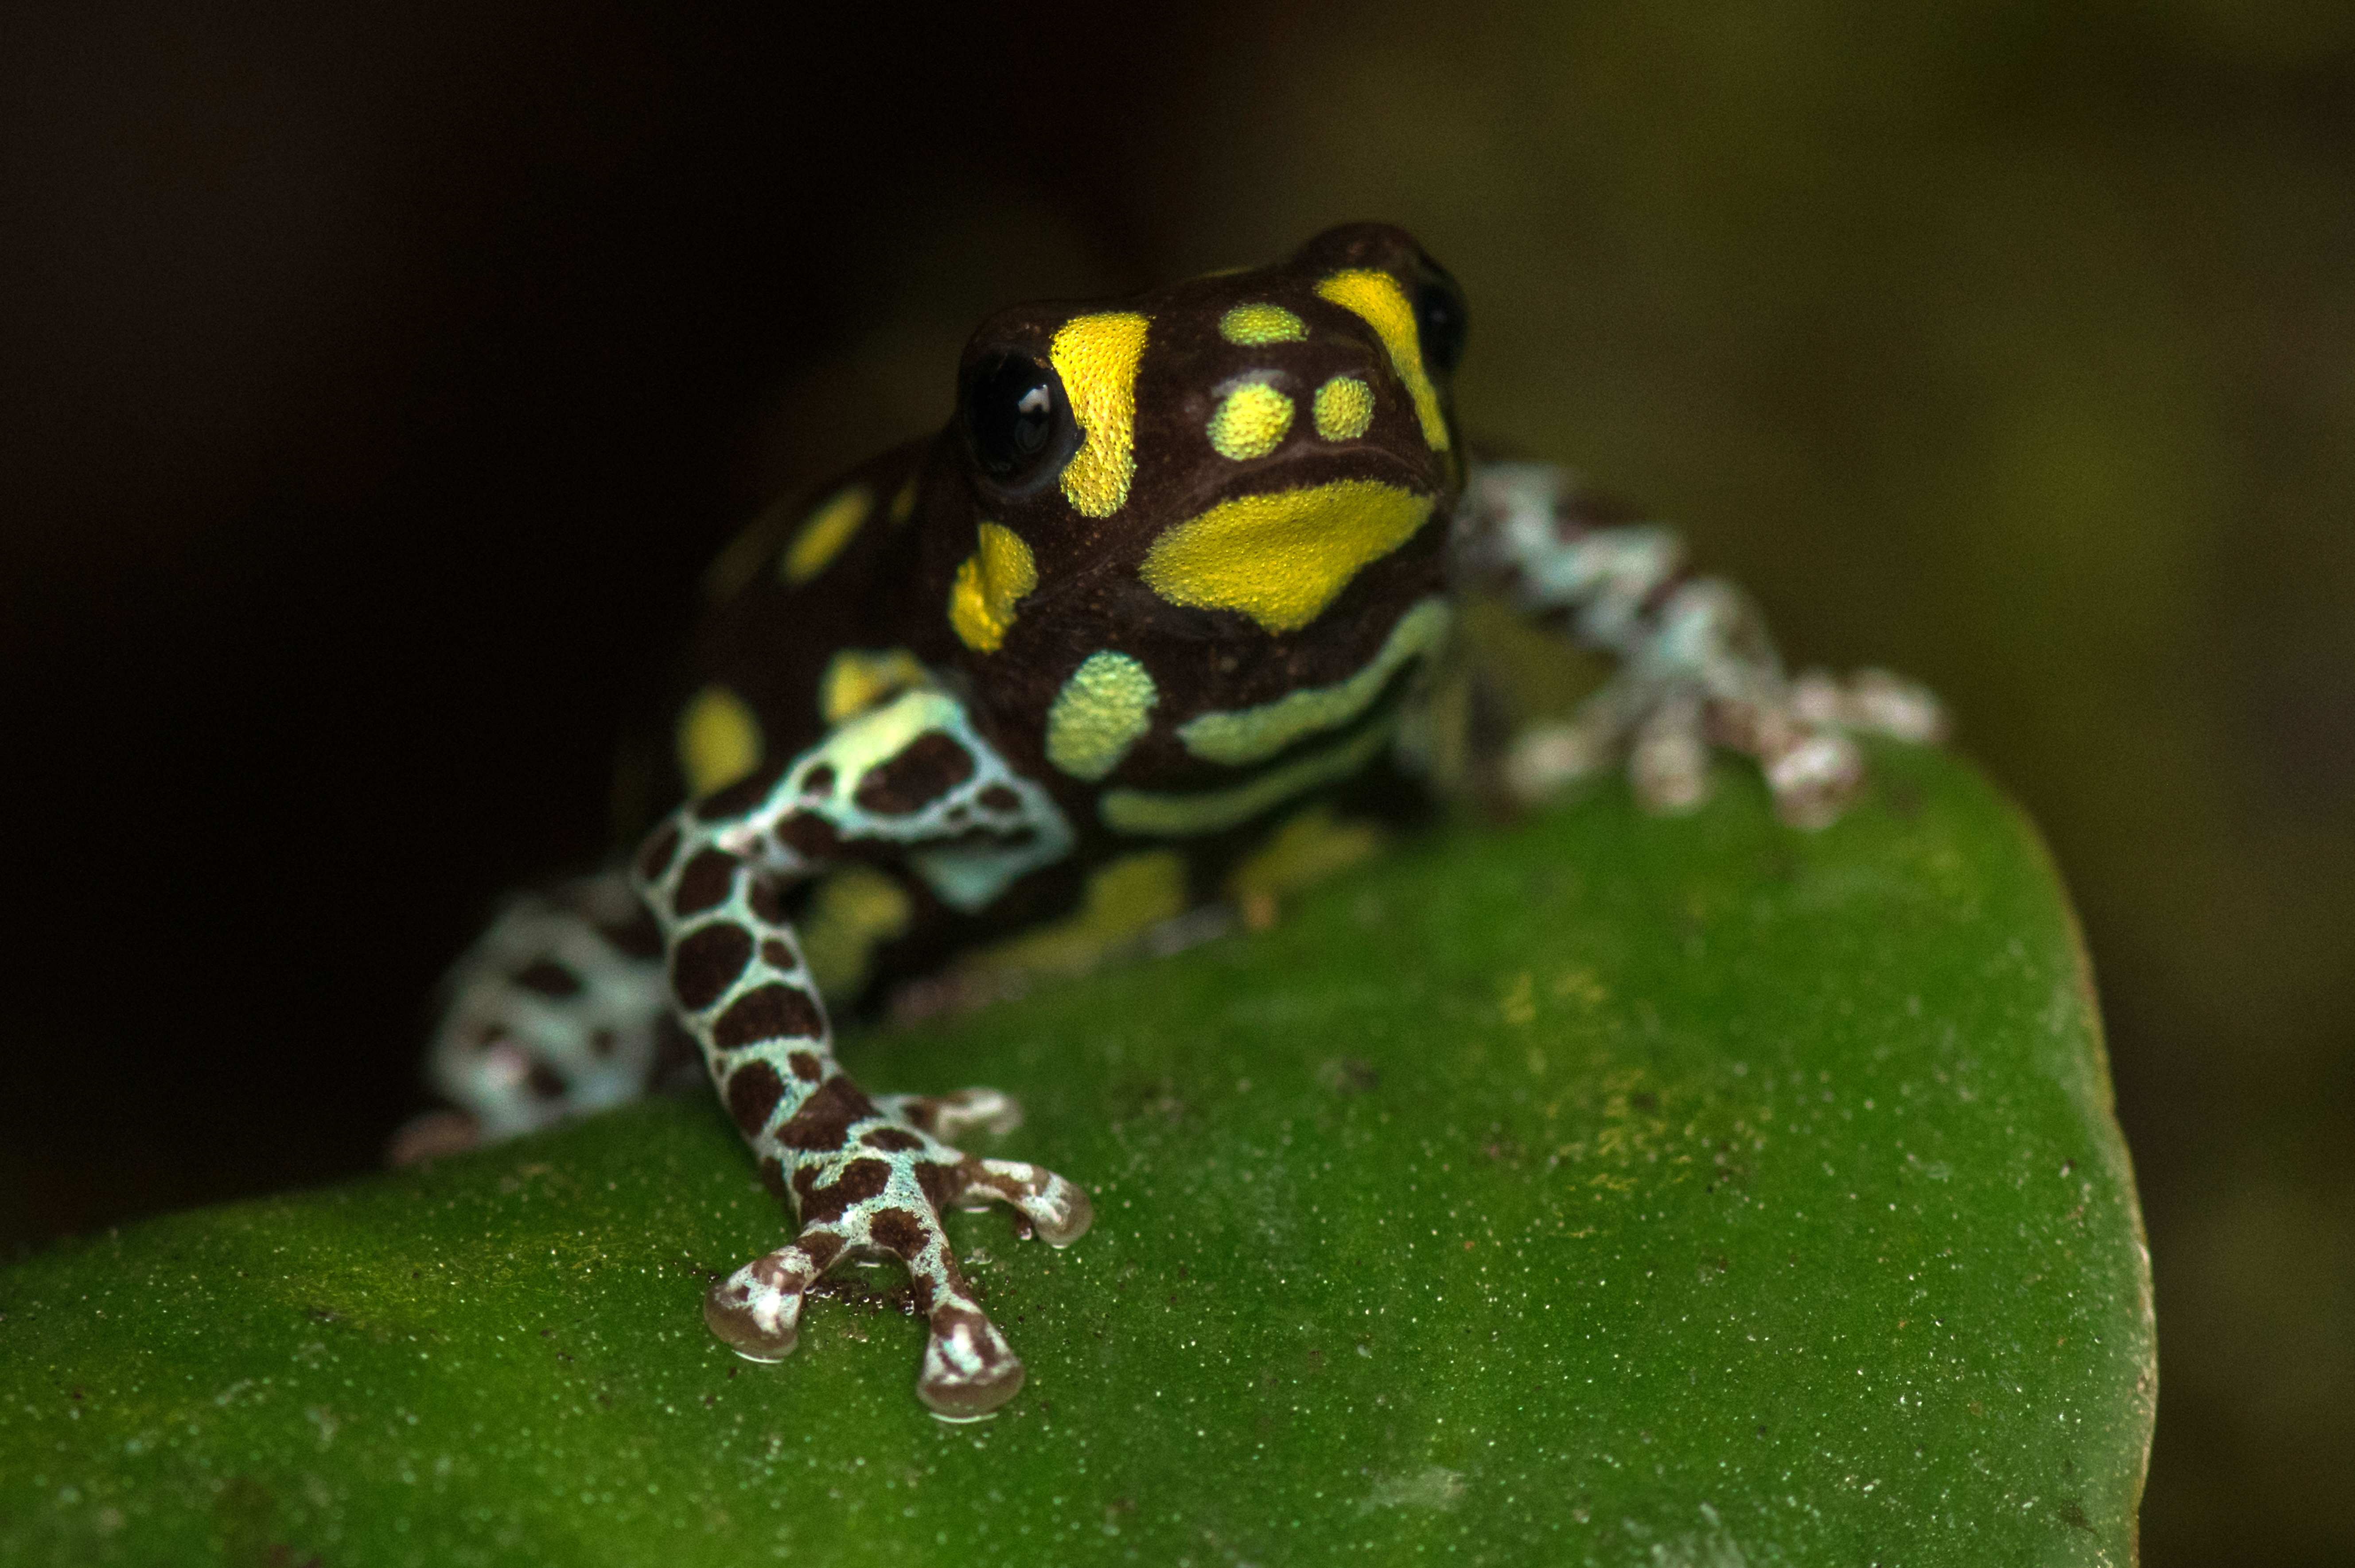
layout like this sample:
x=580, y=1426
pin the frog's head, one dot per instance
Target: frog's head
x=1222, y=492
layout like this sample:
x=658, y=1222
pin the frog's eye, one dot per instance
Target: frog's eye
x=1012, y=409
x=1441, y=321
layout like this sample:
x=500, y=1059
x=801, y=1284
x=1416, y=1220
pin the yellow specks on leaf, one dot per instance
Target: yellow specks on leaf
x=1096, y=356
x=1377, y=297
x=1251, y=325
x=1282, y=556
x=719, y=740
x=1520, y=1001
x=994, y=579
x=1343, y=408
x=1102, y=712
x=829, y=527
x=1242, y=735
x=1581, y=986
x=1250, y=421
x=856, y=679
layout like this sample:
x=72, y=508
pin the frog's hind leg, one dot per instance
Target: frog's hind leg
x=556, y=1010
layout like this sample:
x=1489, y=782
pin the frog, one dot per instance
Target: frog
x=1166, y=619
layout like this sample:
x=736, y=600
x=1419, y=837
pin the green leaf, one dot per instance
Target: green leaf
x=1605, y=1188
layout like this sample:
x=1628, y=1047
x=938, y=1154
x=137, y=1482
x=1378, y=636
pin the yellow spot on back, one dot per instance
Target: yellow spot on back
x=748, y=552
x=1100, y=713
x=1254, y=324
x=1250, y=421
x=1097, y=356
x=993, y=579
x=1253, y=734
x=851, y=913
x=1125, y=899
x=719, y=740
x=1377, y=298
x=828, y=530
x=1281, y=558
x=903, y=504
x=1214, y=811
x=1311, y=846
x=856, y=679
x=1344, y=408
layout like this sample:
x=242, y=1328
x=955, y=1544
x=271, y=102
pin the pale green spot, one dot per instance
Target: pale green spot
x=1103, y=711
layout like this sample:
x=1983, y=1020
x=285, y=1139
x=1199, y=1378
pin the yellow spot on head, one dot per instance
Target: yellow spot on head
x=993, y=579
x=903, y=504
x=1100, y=713
x=1250, y=421
x=1281, y=558
x=856, y=679
x=828, y=530
x=1097, y=356
x=1344, y=408
x=1254, y=324
x=719, y=740
x=1377, y=298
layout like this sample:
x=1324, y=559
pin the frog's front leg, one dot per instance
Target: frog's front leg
x=912, y=781
x=1698, y=668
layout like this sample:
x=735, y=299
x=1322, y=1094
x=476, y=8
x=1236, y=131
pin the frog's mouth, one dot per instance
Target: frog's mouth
x=1282, y=556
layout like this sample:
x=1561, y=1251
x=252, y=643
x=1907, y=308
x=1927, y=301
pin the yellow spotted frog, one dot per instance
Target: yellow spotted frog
x=1165, y=621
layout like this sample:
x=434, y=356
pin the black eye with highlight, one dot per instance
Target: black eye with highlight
x=1014, y=415
x=1441, y=321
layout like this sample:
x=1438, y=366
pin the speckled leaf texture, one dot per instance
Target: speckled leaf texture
x=1599, y=1190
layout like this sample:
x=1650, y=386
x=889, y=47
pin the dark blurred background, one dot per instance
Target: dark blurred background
x=375, y=381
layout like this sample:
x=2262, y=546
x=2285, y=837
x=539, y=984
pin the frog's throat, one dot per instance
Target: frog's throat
x=1241, y=736
x=1191, y=815
x=1283, y=556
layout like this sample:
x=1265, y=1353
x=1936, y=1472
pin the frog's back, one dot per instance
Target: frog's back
x=817, y=579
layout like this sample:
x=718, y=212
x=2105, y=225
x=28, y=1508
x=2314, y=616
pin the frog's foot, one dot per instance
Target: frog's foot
x=1666, y=734
x=953, y=1116
x=1799, y=732
x=1802, y=734
x=880, y=1191
x=1871, y=702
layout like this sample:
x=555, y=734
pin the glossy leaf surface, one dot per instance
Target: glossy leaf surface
x=1604, y=1189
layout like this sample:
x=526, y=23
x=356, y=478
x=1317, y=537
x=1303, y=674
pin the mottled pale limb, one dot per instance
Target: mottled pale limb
x=866, y=1177
x=1697, y=669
